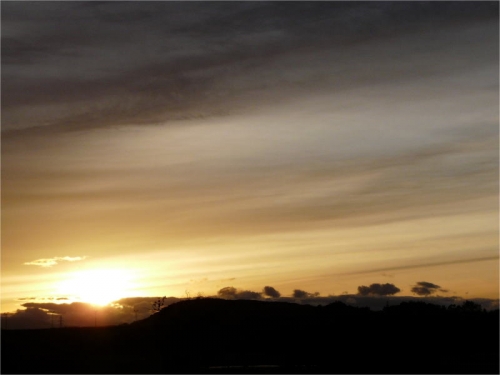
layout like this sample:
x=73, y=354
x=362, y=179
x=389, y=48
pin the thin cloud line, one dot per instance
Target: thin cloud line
x=49, y=262
x=422, y=265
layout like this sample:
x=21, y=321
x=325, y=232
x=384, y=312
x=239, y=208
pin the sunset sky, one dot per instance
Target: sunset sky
x=172, y=148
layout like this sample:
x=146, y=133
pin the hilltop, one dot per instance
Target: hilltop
x=216, y=335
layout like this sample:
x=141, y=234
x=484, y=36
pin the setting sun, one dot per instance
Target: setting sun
x=98, y=287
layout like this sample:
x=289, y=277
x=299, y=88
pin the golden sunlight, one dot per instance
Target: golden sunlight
x=98, y=287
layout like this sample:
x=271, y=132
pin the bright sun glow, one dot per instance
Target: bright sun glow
x=98, y=287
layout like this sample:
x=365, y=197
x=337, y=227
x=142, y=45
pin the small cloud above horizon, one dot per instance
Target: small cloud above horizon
x=378, y=289
x=49, y=262
x=298, y=293
x=271, y=292
x=424, y=288
x=230, y=292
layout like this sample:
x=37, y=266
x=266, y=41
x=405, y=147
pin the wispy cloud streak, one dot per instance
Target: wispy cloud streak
x=423, y=265
x=49, y=262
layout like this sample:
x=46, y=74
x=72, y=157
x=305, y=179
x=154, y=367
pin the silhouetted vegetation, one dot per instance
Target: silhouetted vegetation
x=158, y=305
x=207, y=335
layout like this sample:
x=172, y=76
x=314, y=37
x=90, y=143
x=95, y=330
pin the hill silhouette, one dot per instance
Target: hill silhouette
x=241, y=336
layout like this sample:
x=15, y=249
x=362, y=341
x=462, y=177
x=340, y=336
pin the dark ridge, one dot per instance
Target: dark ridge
x=208, y=335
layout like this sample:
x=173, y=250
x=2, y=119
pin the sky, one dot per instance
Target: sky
x=179, y=148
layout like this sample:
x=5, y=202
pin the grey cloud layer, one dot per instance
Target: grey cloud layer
x=101, y=63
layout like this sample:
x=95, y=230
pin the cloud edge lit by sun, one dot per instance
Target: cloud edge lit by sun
x=49, y=262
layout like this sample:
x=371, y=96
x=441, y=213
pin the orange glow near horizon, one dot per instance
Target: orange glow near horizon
x=98, y=286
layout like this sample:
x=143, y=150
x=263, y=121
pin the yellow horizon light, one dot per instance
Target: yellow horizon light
x=98, y=286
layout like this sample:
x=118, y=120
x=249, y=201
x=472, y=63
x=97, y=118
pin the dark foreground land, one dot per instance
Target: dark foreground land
x=220, y=336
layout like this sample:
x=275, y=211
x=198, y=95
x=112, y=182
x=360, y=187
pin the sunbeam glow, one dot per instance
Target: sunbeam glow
x=98, y=287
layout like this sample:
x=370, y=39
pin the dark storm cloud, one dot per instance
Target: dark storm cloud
x=424, y=288
x=105, y=63
x=378, y=289
x=271, y=292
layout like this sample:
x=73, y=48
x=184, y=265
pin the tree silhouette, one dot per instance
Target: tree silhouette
x=158, y=305
x=471, y=306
